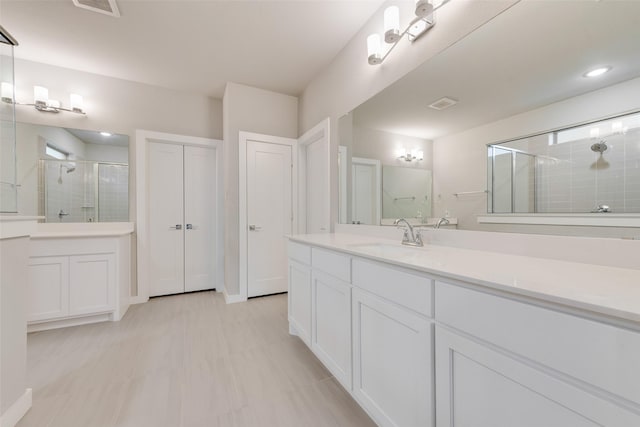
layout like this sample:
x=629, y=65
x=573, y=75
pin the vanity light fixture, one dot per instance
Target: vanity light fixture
x=597, y=72
x=419, y=25
x=409, y=156
x=41, y=100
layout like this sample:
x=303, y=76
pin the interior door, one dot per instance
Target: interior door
x=199, y=215
x=269, y=215
x=166, y=235
x=316, y=186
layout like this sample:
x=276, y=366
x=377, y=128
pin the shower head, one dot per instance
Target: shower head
x=69, y=170
x=599, y=147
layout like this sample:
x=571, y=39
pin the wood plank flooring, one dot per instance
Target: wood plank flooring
x=185, y=361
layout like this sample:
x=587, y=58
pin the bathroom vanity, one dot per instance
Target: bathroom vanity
x=78, y=273
x=450, y=336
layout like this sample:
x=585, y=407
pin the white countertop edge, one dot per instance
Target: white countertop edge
x=13, y=226
x=591, y=220
x=12, y=218
x=72, y=234
x=598, y=309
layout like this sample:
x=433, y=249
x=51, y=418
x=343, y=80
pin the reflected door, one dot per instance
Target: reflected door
x=365, y=175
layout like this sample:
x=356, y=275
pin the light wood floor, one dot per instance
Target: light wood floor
x=184, y=361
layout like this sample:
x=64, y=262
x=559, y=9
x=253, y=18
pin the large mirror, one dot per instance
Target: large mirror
x=72, y=175
x=494, y=85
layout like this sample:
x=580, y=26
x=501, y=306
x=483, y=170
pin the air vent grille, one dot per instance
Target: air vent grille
x=443, y=103
x=107, y=7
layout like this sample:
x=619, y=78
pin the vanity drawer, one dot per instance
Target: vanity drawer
x=333, y=263
x=299, y=252
x=596, y=353
x=407, y=289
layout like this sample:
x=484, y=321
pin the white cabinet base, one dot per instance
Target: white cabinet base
x=15, y=412
x=66, y=322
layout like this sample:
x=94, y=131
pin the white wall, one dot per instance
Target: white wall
x=460, y=160
x=349, y=80
x=248, y=109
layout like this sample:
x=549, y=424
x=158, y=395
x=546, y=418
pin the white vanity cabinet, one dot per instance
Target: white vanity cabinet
x=331, y=313
x=77, y=280
x=300, y=291
x=501, y=363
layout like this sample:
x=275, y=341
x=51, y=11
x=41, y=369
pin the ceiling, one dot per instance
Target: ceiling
x=531, y=55
x=193, y=46
x=93, y=137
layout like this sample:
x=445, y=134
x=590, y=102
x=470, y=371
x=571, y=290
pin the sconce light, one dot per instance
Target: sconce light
x=409, y=156
x=423, y=22
x=41, y=100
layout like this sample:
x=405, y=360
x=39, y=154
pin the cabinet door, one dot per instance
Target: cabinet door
x=48, y=288
x=392, y=362
x=331, y=319
x=300, y=300
x=92, y=283
x=478, y=386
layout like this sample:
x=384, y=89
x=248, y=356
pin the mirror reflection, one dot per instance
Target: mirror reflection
x=72, y=175
x=487, y=88
x=590, y=168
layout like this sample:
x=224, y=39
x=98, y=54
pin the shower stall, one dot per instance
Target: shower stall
x=83, y=191
x=591, y=168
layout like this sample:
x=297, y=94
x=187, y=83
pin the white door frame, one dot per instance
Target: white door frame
x=143, y=138
x=319, y=131
x=343, y=175
x=378, y=178
x=244, y=137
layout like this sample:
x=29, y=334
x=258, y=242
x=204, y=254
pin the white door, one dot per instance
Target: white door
x=314, y=161
x=166, y=234
x=199, y=214
x=269, y=216
x=365, y=175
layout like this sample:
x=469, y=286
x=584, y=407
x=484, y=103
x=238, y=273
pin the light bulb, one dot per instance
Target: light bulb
x=392, y=24
x=420, y=155
x=616, y=127
x=594, y=132
x=40, y=95
x=373, y=49
x=7, y=92
x=76, y=103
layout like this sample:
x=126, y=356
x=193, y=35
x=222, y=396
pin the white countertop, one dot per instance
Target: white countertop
x=598, y=289
x=71, y=230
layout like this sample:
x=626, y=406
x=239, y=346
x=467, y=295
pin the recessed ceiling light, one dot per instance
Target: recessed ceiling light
x=597, y=72
x=105, y=134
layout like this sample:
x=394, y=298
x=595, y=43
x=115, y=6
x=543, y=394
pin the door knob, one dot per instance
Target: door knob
x=189, y=226
x=254, y=228
x=177, y=227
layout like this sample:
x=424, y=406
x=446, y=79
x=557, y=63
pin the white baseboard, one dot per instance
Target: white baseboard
x=65, y=323
x=232, y=299
x=138, y=300
x=16, y=411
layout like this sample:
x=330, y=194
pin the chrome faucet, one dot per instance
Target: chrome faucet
x=409, y=238
x=441, y=221
x=601, y=209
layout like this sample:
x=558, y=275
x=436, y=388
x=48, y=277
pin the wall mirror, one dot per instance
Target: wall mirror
x=489, y=77
x=72, y=175
x=592, y=168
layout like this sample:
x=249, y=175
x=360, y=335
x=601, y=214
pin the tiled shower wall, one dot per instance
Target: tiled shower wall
x=570, y=177
x=75, y=192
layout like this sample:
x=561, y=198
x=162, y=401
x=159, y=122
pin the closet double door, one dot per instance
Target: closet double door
x=182, y=218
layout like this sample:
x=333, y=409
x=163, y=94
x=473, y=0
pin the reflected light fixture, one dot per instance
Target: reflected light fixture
x=103, y=133
x=597, y=72
x=423, y=21
x=41, y=100
x=409, y=156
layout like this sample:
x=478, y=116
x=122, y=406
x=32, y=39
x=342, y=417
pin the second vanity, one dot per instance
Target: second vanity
x=78, y=274
x=447, y=336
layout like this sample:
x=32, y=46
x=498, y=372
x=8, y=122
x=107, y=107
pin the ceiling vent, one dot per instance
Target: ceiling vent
x=443, y=103
x=106, y=7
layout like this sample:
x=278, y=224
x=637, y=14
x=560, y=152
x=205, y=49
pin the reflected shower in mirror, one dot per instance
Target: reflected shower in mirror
x=588, y=168
x=72, y=175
